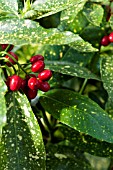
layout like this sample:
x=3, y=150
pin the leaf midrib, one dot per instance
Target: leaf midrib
x=96, y=120
x=15, y=130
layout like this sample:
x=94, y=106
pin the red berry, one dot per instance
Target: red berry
x=23, y=84
x=8, y=81
x=36, y=58
x=4, y=46
x=45, y=75
x=44, y=86
x=105, y=40
x=111, y=37
x=33, y=83
x=15, y=82
x=10, y=59
x=31, y=94
x=38, y=66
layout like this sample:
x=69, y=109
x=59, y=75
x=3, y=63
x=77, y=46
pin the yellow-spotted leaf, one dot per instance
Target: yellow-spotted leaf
x=79, y=112
x=94, y=13
x=19, y=31
x=3, y=89
x=22, y=145
x=9, y=6
x=71, y=69
x=65, y=157
x=49, y=7
x=107, y=74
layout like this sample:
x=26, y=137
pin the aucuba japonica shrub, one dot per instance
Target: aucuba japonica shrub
x=56, y=84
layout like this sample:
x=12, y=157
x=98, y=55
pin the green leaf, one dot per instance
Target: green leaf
x=107, y=74
x=50, y=7
x=22, y=144
x=109, y=107
x=79, y=112
x=20, y=5
x=80, y=58
x=68, y=16
x=20, y=31
x=3, y=89
x=111, y=21
x=105, y=1
x=54, y=52
x=31, y=14
x=80, y=45
x=70, y=69
x=94, y=13
x=65, y=158
x=93, y=34
x=9, y=6
x=85, y=142
x=79, y=23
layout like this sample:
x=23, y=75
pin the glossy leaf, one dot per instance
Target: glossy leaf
x=64, y=157
x=79, y=112
x=81, y=45
x=49, y=7
x=3, y=111
x=94, y=13
x=85, y=142
x=105, y=1
x=22, y=31
x=9, y=6
x=107, y=74
x=71, y=69
x=68, y=16
x=79, y=23
x=111, y=21
x=54, y=52
x=109, y=108
x=22, y=144
x=80, y=58
x=93, y=34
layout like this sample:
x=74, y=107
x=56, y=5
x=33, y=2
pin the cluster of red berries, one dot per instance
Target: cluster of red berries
x=31, y=83
x=107, y=39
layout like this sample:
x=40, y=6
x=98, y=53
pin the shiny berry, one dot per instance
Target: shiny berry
x=105, y=41
x=10, y=59
x=15, y=83
x=36, y=58
x=111, y=37
x=44, y=86
x=45, y=75
x=33, y=83
x=31, y=94
x=4, y=46
x=38, y=66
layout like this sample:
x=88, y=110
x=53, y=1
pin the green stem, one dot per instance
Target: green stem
x=2, y=58
x=45, y=117
x=22, y=68
x=5, y=72
x=4, y=52
x=8, y=69
x=7, y=47
x=83, y=86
